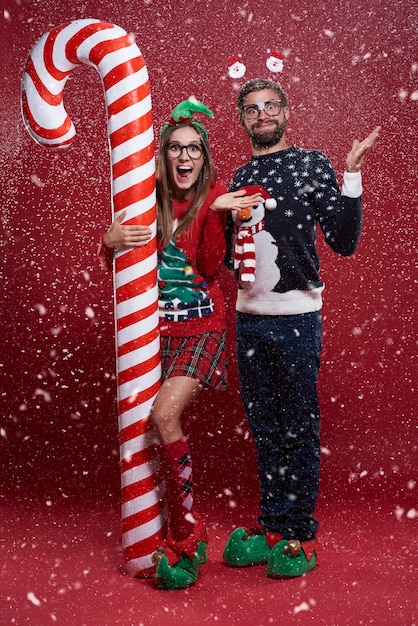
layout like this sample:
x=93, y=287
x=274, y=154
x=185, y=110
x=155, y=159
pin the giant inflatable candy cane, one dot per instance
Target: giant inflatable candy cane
x=127, y=93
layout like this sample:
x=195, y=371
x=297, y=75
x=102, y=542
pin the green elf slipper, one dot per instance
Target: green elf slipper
x=184, y=572
x=178, y=562
x=291, y=558
x=246, y=547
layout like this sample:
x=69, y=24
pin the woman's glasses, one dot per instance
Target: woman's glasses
x=175, y=150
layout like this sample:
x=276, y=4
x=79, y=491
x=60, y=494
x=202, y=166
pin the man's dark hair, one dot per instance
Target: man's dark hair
x=258, y=84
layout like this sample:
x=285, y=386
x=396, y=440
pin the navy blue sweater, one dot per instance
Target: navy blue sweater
x=307, y=193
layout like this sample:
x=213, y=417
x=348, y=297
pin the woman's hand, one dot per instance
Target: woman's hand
x=235, y=200
x=358, y=151
x=121, y=236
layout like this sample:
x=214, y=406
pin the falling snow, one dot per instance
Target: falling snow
x=59, y=419
x=32, y=598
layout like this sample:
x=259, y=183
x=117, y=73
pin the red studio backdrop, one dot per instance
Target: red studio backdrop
x=348, y=66
x=344, y=76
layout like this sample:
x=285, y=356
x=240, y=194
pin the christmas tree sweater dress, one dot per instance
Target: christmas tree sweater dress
x=190, y=299
x=191, y=304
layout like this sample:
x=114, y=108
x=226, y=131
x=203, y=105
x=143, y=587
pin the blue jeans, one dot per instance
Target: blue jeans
x=278, y=363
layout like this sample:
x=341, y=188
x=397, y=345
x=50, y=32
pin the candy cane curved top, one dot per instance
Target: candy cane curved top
x=117, y=58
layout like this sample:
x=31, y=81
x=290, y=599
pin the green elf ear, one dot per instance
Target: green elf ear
x=183, y=114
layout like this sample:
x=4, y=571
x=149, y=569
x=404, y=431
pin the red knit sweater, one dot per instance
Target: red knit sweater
x=204, y=246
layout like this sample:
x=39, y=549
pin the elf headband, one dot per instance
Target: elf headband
x=183, y=114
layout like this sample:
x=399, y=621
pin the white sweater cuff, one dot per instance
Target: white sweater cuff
x=352, y=186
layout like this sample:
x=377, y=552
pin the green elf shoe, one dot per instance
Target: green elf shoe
x=291, y=558
x=178, y=562
x=184, y=572
x=249, y=547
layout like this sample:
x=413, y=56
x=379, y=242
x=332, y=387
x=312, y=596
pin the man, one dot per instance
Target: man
x=279, y=325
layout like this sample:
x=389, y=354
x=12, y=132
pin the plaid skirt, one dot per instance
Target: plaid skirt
x=200, y=356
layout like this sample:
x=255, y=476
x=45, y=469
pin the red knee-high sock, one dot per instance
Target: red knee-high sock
x=179, y=488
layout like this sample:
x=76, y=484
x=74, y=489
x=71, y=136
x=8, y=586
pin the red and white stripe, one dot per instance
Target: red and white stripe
x=244, y=250
x=127, y=94
x=244, y=254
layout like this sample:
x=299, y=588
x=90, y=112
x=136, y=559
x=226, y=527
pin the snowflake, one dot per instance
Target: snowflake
x=299, y=226
x=272, y=172
x=326, y=176
x=289, y=213
x=319, y=195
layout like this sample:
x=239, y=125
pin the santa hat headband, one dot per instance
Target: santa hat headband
x=183, y=114
x=237, y=67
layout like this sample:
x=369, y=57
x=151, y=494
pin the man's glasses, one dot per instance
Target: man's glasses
x=175, y=150
x=271, y=107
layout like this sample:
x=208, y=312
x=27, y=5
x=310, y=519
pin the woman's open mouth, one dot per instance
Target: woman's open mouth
x=184, y=172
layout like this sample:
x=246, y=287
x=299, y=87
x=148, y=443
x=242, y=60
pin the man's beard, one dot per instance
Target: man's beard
x=267, y=139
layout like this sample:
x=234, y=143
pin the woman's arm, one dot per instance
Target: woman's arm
x=126, y=235
x=121, y=236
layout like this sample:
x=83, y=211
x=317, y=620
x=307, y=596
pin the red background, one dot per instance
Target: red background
x=346, y=70
x=349, y=66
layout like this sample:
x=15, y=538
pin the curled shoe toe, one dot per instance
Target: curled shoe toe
x=184, y=572
x=245, y=548
x=291, y=558
x=178, y=562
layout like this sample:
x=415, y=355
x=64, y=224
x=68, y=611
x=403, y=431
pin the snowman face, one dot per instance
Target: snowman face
x=257, y=215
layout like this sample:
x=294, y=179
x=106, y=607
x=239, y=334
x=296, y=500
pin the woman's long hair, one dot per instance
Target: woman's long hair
x=206, y=179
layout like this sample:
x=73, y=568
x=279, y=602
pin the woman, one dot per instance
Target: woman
x=191, y=247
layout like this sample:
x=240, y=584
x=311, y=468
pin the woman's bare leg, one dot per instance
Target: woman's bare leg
x=175, y=395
